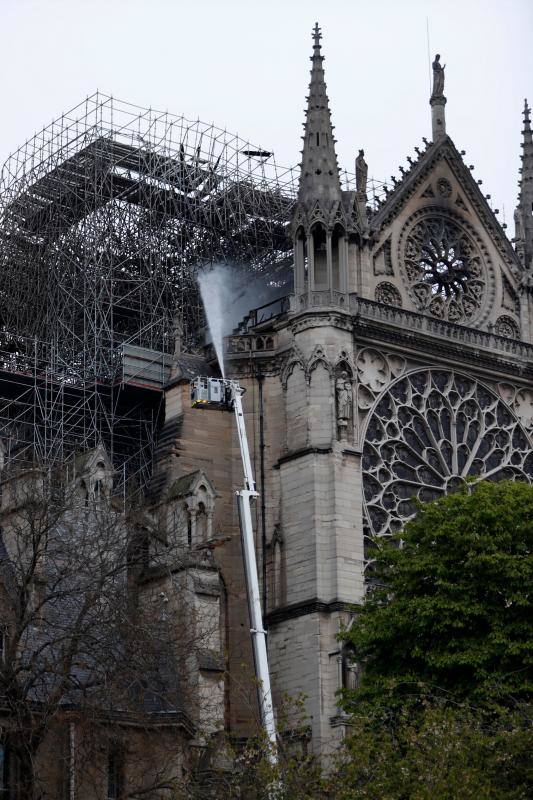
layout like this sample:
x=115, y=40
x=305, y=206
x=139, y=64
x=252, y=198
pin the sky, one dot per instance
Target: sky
x=244, y=65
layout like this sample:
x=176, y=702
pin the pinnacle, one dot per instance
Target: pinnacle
x=319, y=177
x=524, y=229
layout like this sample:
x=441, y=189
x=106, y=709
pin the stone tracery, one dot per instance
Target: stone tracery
x=430, y=432
x=444, y=268
x=507, y=326
x=388, y=293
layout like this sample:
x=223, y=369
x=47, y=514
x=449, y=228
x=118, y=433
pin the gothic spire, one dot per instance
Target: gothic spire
x=319, y=178
x=523, y=213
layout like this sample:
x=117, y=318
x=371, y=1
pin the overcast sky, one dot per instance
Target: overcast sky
x=244, y=64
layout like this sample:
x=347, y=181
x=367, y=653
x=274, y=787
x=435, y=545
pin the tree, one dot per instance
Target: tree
x=244, y=769
x=451, y=606
x=99, y=637
x=444, y=752
x=443, y=646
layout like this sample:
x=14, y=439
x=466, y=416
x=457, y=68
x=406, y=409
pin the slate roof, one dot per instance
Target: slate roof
x=181, y=485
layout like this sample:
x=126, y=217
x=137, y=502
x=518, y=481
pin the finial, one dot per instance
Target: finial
x=527, y=121
x=317, y=36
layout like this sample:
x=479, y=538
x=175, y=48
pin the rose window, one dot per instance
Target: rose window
x=430, y=433
x=444, y=269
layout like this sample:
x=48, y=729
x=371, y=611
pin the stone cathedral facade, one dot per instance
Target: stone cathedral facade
x=402, y=369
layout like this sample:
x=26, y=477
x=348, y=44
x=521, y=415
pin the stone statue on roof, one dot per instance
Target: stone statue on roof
x=361, y=172
x=438, y=78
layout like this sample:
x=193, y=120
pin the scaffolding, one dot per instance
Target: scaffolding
x=106, y=216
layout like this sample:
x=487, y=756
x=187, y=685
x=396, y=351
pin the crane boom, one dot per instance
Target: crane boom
x=221, y=393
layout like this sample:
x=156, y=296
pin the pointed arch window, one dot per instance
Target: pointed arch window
x=320, y=259
x=201, y=523
x=337, y=257
x=301, y=260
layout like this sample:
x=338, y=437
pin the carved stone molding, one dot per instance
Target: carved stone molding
x=318, y=356
x=321, y=319
x=520, y=399
x=375, y=370
x=432, y=335
x=444, y=187
x=294, y=359
x=382, y=259
x=507, y=326
x=388, y=293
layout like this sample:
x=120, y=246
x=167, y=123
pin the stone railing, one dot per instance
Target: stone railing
x=399, y=318
x=410, y=320
x=321, y=299
x=246, y=343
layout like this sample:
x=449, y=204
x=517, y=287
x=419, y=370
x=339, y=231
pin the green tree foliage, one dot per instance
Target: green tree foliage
x=442, y=753
x=451, y=611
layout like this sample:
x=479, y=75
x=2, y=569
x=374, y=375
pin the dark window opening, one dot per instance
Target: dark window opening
x=115, y=773
x=318, y=140
x=3, y=772
x=10, y=773
x=201, y=524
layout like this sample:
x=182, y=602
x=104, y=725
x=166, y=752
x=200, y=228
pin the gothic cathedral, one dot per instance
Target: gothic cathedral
x=401, y=369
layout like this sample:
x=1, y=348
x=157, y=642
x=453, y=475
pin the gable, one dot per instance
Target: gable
x=441, y=248
x=443, y=160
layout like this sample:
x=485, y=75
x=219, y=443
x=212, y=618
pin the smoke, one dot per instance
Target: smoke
x=228, y=294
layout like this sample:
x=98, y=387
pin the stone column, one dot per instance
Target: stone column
x=310, y=268
x=299, y=267
x=438, y=119
x=329, y=262
x=343, y=264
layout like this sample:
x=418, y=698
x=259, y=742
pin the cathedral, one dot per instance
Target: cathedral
x=398, y=369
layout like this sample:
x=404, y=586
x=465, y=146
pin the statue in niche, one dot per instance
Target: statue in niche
x=438, y=78
x=361, y=172
x=344, y=397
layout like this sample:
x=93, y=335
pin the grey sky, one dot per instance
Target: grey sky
x=245, y=65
